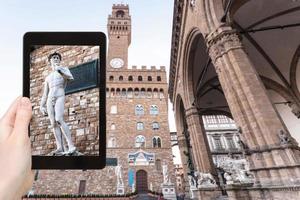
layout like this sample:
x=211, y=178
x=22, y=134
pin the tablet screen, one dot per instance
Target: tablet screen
x=65, y=97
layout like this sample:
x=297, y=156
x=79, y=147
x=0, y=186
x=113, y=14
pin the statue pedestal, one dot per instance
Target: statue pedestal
x=169, y=191
x=192, y=190
x=120, y=189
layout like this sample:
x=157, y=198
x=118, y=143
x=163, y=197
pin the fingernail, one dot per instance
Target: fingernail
x=25, y=102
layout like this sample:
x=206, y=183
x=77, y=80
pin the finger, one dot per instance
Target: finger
x=23, y=116
x=8, y=120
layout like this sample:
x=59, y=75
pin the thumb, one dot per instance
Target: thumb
x=23, y=116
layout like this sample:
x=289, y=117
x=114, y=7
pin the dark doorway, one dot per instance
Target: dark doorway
x=141, y=181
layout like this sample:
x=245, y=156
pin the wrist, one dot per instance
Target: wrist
x=7, y=191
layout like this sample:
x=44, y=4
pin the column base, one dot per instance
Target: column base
x=120, y=190
x=209, y=193
x=261, y=193
x=168, y=191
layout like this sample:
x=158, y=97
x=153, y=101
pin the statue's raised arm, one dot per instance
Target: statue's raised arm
x=65, y=72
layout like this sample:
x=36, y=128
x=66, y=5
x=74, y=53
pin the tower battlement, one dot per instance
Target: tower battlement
x=151, y=68
x=120, y=5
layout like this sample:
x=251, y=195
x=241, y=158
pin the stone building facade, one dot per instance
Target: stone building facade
x=238, y=59
x=137, y=124
x=223, y=137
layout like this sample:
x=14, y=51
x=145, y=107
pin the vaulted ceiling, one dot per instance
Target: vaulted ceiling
x=270, y=32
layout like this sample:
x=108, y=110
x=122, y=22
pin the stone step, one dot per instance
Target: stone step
x=145, y=197
x=223, y=197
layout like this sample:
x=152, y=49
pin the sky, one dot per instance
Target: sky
x=150, y=44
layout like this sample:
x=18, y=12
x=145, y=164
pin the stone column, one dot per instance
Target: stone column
x=183, y=148
x=202, y=158
x=270, y=159
x=201, y=152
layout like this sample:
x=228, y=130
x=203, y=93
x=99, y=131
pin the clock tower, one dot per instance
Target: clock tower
x=119, y=35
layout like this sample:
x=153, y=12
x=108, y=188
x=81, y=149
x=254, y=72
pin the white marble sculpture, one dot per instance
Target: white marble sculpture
x=118, y=172
x=53, y=102
x=192, y=182
x=284, y=137
x=236, y=171
x=165, y=173
x=151, y=187
x=228, y=178
x=205, y=179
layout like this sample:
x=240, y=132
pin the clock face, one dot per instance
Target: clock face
x=116, y=62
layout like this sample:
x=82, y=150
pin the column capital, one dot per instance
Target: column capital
x=221, y=41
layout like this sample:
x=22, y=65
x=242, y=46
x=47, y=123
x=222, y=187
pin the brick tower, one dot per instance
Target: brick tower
x=119, y=34
x=137, y=110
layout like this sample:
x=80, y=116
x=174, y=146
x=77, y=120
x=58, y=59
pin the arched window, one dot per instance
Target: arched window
x=143, y=93
x=120, y=78
x=156, y=142
x=113, y=109
x=140, y=126
x=113, y=127
x=107, y=92
x=155, y=125
x=140, y=78
x=153, y=110
x=161, y=94
x=112, y=92
x=118, y=92
x=130, y=78
x=112, y=142
x=158, y=78
x=120, y=13
x=158, y=164
x=140, y=141
x=149, y=78
x=123, y=93
x=130, y=93
x=139, y=109
x=155, y=93
x=136, y=92
x=149, y=93
x=111, y=78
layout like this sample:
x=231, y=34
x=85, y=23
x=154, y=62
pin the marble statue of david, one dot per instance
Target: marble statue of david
x=53, y=102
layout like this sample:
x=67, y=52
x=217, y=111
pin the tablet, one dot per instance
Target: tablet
x=64, y=77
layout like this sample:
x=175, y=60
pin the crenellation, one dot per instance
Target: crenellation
x=162, y=68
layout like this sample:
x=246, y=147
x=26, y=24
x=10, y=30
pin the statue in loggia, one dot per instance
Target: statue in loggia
x=53, y=103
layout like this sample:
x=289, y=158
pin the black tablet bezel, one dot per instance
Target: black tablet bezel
x=70, y=38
